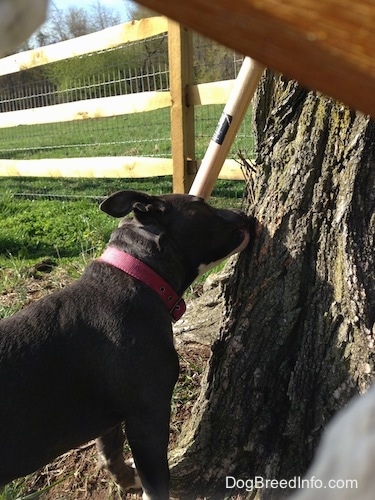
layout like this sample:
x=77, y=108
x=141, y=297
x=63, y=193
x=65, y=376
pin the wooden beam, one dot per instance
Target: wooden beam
x=325, y=45
x=210, y=93
x=105, y=39
x=231, y=171
x=202, y=94
x=182, y=112
x=90, y=108
x=129, y=167
x=132, y=167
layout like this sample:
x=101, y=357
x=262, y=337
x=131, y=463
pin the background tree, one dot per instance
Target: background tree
x=213, y=62
x=71, y=22
x=138, y=11
x=297, y=341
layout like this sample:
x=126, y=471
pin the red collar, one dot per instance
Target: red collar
x=142, y=272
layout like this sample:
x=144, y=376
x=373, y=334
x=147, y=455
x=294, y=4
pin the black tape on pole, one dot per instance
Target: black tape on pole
x=222, y=128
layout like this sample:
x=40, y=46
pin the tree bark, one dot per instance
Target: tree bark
x=297, y=340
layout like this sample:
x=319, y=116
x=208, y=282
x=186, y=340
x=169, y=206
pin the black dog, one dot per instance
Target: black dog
x=77, y=364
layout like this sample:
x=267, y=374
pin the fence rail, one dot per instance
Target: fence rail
x=108, y=38
x=181, y=95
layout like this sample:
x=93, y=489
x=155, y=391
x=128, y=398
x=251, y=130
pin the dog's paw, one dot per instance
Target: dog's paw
x=137, y=481
x=124, y=473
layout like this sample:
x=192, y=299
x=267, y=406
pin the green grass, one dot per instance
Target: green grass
x=138, y=134
x=51, y=228
x=12, y=490
x=143, y=134
x=81, y=187
x=33, y=228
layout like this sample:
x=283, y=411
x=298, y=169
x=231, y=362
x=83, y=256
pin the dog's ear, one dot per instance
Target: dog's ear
x=123, y=202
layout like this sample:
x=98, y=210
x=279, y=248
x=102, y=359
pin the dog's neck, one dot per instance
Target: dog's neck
x=152, y=246
x=142, y=272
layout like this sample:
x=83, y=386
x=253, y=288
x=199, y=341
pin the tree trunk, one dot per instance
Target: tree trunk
x=297, y=341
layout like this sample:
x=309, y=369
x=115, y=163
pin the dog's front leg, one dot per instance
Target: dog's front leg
x=110, y=451
x=148, y=435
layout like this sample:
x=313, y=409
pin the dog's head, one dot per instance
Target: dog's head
x=201, y=235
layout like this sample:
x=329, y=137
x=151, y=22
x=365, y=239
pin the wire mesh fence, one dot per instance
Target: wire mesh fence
x=135, y=67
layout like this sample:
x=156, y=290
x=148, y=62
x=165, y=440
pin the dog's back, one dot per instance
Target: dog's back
x=56, y=357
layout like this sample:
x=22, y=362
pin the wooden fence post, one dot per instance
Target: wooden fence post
x=180, y=50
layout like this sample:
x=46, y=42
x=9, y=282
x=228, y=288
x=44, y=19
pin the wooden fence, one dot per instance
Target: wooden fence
x=181, y=98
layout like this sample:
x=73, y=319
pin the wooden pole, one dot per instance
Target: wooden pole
x=229, y=123
x=180, y=52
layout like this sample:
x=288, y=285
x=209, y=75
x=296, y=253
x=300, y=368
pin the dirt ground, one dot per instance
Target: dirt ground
x=75, y=475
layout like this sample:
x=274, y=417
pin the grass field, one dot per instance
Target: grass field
x=138, y=134
x=50, y=222
x=59, y=218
